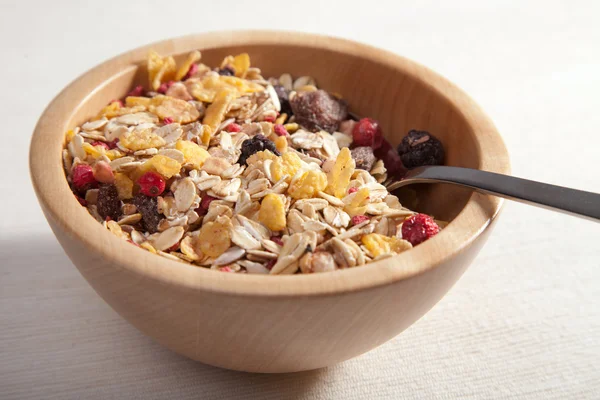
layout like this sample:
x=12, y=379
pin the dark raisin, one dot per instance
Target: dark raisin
x=318, y=110
x=284, y=100
x=148, y=207
x=254, y=145
x=363, y=157
x=420, y=148
x=108, y=202
x=226, y=71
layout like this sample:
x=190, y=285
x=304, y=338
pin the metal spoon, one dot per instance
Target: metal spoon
x=570, y=201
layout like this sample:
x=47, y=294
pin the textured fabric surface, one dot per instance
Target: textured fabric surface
x=523, y=322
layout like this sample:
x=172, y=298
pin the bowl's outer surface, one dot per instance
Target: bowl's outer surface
x=289, y=323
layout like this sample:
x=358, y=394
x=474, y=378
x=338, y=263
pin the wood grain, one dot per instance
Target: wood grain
x=293, y=323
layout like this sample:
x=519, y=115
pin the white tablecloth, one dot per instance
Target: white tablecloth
x=523, y=322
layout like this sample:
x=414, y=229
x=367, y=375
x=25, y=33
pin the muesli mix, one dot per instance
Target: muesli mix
x=224, y=169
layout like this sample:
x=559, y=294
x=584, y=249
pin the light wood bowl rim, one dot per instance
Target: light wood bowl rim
x=59, y=203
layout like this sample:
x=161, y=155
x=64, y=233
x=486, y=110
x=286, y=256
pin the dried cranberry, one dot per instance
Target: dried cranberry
x=227, y=71
x=277, y=240
x=193, y=69
x=101, y=144
x=363, y=157
x=421, y=148
x=359, y=219
x=367, y=132
x=391, y=160
x=148, y=207
x=113, y=144
x=418, y=228
x=233, y=127
x=280, y=130
x=319, y=110
x=352, y=190
x=270, y=264
x=205, y=203
x=269, y=118
x=168, y=120
x=284, y=101
x=254, y=145
x=108, y=203
x=83, y=177
x=137, y=91
x=164, y=87
x=81, y=201
x=151, y=184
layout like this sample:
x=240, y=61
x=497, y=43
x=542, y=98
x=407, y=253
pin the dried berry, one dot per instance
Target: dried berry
x=226, y=71
x=391, y=160
x=418, y=228
x=420, y=148
x=280, y=130
x=83, y=177
x=151, y=184
x=168, y=120
x=108, y=203
x=269, y=118
x=277, y=240
x=318, y=110
x=359, y=219
x=284, y=100
x=193, y=69
x=206, y=200
x=148, y=207
x=164, y=87
x=136, y=91
x=367, y=132
x=101, y=144
x=233, y=127
x=254, y=145
x=352, y=190
x=363, y=157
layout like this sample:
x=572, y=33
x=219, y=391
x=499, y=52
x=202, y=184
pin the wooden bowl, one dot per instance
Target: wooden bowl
x=281, y=323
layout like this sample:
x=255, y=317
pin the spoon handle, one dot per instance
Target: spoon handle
x=570, y=201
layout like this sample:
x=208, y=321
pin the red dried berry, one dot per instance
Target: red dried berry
x=280, y=130
x=83, y=177
x=418, y=228
x=152, y=184
x=352, y=190
x=206, y=200
x=269, y=118
x=136, y=91
x=367, y=132
x=113, y=144
x=270, y=264
x=81, y=201
x=164, y=87
x=391, y=160
x=233, y=127
x=175, y=247
x=168, y=120
x=101, y=144
x=193, y=69
x=226, y=269
x=277, y=240
x=358, y=219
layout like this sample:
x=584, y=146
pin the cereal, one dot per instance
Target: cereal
x=227, y=170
